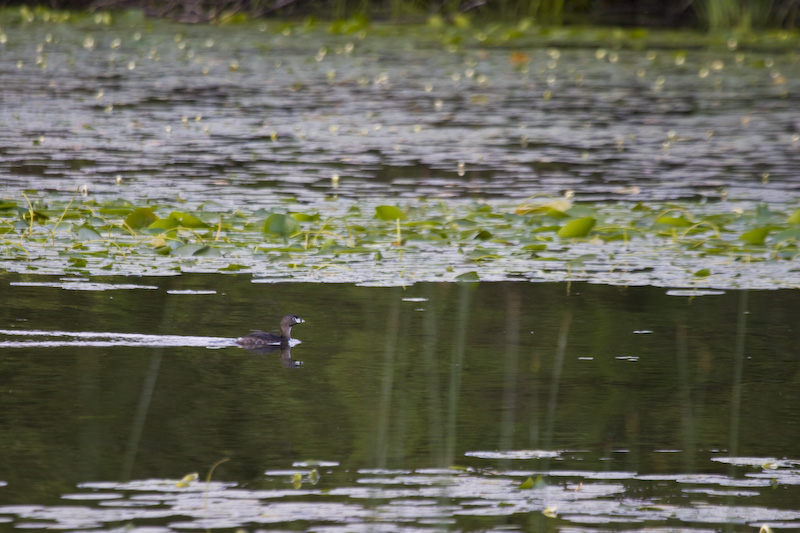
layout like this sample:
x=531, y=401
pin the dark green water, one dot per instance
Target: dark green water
x=640, y=390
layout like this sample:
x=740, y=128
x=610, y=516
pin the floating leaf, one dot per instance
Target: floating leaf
x=389, y=213
x=187, y=480
x=87, y=233
x=702, y=273
x=755, y=236
x=787, y=235
x=199, y=250
x=550, y=512
x=233, y=267
x=163, y=224
x=303, y=217
x=527, y=484
x=555, y=208
x=795, y=217
x=679, y=222
x=38, y=216
x=188, y=221
x=468, y=276
x=141, y=217
x=480, y=254
x=535, y=247
x=580, y=227
x=282, y=225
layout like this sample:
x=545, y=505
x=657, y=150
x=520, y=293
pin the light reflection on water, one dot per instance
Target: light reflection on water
x=420, y=408
x=27, y=339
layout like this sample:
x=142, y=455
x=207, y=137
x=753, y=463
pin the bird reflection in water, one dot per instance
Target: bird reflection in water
x=285, y=348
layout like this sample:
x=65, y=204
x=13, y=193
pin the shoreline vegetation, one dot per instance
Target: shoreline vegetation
x=711, y=15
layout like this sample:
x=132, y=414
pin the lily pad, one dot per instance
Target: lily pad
x=282, y=225
x=755, y=236
x=141, y=217
x=389, y=213
x=579, y=227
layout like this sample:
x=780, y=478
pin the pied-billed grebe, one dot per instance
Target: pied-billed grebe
x=259, y=338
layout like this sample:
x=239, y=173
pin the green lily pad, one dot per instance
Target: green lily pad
x=679, y=222
x=755, y=236
x=163, y=224
x=389, y=213
x=580, y=227
x=786, y=235
x=195, y=250
x=282, y=225
x=88, y=233
x=141, y=217
x=188, y=221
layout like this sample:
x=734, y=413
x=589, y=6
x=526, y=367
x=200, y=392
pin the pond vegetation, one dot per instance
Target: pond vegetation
x=712, y=245
x=617, y=163
x=714, y=15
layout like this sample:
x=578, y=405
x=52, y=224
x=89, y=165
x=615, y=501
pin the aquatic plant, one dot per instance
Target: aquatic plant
x=546, y=238
x=744, y=15
x=351, y=16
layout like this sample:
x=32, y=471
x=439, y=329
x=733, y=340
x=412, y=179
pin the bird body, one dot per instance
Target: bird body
x=261, y=338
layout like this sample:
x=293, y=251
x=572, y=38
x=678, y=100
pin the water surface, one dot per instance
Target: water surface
x=258, y=113
x=424, y=408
